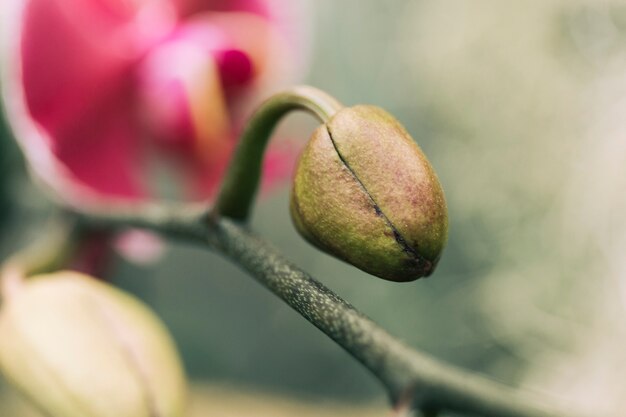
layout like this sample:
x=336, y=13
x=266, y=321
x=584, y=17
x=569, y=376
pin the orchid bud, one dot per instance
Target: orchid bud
x=78, y=347
x=365, y=193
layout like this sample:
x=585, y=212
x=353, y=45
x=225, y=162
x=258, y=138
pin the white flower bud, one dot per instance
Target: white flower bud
x=78, y=347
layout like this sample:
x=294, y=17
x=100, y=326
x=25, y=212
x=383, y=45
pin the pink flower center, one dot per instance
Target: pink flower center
x=235, y=67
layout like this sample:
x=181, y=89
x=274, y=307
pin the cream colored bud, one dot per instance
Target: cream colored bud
x=78, y=347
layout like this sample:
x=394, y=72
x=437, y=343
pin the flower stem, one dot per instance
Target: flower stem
x=244, y=172
x=403, y=371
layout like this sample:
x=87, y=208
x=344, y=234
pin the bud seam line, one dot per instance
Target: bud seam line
x=129, y=356
x=406, y=248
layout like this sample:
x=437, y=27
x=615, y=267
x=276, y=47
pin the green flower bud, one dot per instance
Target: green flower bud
x=365, y=193
x=77, y=347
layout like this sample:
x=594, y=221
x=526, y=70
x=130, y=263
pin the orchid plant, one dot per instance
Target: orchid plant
x=95, y=87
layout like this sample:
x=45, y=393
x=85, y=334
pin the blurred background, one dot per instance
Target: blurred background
x=520, y=107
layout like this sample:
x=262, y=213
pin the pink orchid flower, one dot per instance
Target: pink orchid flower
x=95, y=88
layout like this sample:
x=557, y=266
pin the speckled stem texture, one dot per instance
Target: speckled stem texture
x=408, y=375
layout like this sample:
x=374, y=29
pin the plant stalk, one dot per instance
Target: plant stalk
x=244, y=171
x=403, y=371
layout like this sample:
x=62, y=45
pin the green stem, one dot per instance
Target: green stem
x=403, y=371
x=244, y=172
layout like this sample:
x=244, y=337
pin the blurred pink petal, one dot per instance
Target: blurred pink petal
x=140, y=246
x=96, y=82
x=90, y=86
x=189, y=7
x=68, y=96
x=235, y=67
x=279, y=164
x=195, y=117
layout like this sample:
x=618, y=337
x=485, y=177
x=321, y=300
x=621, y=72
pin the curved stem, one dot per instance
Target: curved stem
x=403, y=371
x=242, y=178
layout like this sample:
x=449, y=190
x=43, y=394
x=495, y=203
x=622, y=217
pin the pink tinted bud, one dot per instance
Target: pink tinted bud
x=366, y=193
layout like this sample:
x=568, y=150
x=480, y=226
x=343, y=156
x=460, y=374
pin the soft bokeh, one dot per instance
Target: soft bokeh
x=520, y=107
x=94, y=88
